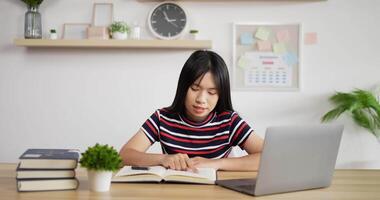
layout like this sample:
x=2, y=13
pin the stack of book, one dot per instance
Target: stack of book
x=47, y=169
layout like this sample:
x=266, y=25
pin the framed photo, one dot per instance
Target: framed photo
x=266, y=56
x=75, y=31
x=102, y=14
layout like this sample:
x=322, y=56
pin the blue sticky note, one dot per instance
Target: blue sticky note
x=246, y=38
x=290, y=58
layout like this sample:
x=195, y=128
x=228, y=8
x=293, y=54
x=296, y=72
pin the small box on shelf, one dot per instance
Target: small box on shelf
x=98, y=32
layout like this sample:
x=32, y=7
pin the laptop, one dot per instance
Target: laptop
x=293, y=158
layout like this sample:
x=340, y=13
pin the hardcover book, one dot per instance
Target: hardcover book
x=49, y=159
x=47, y=184
x=44, y=173
x=161, y=174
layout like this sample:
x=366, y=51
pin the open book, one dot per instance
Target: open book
x=159, y=173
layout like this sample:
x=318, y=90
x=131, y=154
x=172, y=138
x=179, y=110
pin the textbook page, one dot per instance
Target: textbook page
x=127, y=174
x=203, y=175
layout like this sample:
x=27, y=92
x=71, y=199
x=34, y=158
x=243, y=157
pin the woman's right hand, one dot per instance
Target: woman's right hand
x=177, y=162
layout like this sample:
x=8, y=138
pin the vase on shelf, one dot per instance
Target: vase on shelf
x=33, y=25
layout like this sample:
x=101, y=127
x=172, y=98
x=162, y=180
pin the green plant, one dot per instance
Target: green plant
x=119, y=27
x=53, y=31
x=101, y=157
x=32, y=3
x=363, y=107
x=194, y=31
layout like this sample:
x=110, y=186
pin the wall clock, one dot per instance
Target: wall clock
x=167, y=21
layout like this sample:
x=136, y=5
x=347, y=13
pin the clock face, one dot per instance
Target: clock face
x=167, y=21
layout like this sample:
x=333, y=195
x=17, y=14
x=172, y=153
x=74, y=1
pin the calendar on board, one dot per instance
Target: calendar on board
x=266, y=56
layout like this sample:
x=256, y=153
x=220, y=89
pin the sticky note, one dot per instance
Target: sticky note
x=264, y=46
x=290, y=58
x=310, y=38
x=243, y=62
x=262, y=33
x=283, y=36
x=246, y=38
x=279, y=48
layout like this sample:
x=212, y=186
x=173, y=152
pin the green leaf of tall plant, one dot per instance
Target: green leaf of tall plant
x=362, y=106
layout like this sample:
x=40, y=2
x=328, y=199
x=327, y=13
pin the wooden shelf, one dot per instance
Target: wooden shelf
x=231, y=1
x=143, y=44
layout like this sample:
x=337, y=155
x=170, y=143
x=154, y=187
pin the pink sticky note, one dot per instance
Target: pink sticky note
x=283, y=36
x=310, y=38
x=264, y=45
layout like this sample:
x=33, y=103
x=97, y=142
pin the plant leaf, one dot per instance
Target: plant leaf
x=361, y=104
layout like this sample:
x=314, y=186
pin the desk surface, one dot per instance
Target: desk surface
x=347, y=184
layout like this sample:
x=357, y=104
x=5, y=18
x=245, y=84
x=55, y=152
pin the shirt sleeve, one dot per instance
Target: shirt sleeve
x=239, y=130
x=150, y=127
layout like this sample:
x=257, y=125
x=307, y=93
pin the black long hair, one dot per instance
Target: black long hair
x=197, y=65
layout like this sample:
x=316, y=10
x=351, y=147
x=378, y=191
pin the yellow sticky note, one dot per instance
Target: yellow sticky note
x=262, y=33
x=243, y=62
x=279, y=48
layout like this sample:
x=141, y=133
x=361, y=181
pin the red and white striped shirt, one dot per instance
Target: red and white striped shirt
x=212, y=138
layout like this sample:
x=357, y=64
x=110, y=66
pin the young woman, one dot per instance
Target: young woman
x=200, y=128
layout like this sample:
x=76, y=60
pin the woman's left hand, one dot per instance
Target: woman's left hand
x=205, y=162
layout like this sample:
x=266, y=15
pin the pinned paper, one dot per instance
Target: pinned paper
x=279, y=48
x=283, y=36
x=262, y=33
x=243, y=62
x=311, y=38
x=290, y=58
x=264, y=59
x=246, y=38
x=256, y=76
x=264, y=46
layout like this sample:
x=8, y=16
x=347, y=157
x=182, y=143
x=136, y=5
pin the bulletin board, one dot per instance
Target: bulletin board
x=266, y=57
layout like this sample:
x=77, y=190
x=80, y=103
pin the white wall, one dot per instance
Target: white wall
x=73, y=98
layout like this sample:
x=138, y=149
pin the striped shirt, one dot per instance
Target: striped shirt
x=212, y=138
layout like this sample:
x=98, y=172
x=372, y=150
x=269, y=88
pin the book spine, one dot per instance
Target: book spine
x=18, y=187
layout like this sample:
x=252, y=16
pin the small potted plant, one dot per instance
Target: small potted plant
x=53, y=34
x=101, y=161
x=119, y=30
x=194, y=34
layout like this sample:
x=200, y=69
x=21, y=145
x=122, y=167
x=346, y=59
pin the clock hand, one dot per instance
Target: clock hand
x=171, y=22
x=166, y=16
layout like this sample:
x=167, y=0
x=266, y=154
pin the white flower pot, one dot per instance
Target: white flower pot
x=100, y=181
x=53, y=36
x=119, y=35
x=193, y=36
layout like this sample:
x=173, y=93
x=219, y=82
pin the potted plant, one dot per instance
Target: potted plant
x=33, y=25
x=362, y=106
x=53, y=34
x=119, y=30
x=101, y=161
x=193, y=34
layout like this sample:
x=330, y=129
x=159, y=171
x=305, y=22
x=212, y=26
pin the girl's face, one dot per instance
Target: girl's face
x=201, y=98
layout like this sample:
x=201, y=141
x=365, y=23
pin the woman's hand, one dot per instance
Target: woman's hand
x=178, y=162
x=205, y=162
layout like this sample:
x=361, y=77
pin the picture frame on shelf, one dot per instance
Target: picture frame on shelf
x=75, y=31
x=102, y=14
x=266, y=56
